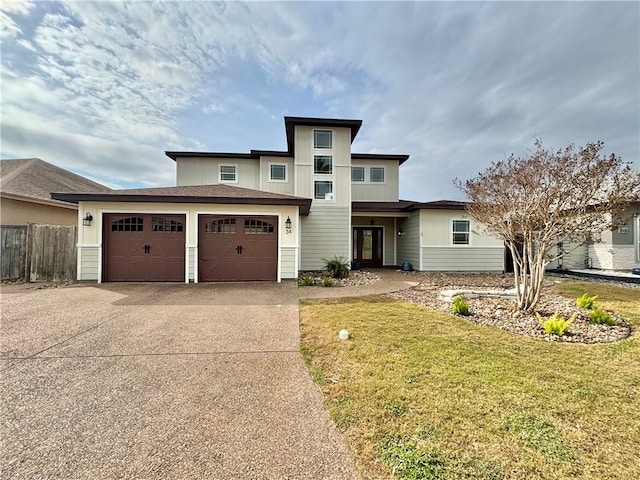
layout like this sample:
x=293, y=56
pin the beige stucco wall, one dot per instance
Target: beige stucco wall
x=16, y=212
x=206, y=171
x=90, y=237
x=376, y=192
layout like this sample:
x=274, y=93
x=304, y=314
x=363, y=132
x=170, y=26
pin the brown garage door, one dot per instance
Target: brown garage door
x=234, y=248
x=143, y=248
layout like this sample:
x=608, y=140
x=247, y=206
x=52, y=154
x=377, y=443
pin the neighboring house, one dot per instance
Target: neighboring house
x=25, y=192
x=266, y=215
x=617, y=249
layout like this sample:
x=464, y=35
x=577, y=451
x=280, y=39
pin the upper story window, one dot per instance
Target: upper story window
x=322, y=164
x=376, y=174
x=323, y=139
x=323, y=190
x=357, y=174
x=278, y=172
x=228, y=173
x=461, y=232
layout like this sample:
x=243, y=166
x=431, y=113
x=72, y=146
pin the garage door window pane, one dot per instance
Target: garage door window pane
x=253, y=226
x=130, y=224
x=161, y=224
x=224, y=225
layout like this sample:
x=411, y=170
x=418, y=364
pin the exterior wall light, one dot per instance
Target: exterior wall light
x=287, y=225
x=400, y=232
x=88, y=218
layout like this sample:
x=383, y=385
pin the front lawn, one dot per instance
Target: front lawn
x=421, y=394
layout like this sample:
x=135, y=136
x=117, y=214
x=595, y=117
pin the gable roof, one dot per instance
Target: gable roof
x=223, y=194
x=33, y=179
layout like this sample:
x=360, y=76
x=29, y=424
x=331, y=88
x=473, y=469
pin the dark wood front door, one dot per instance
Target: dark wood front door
x=143, y=248
x=367, y=246
x=237, y=248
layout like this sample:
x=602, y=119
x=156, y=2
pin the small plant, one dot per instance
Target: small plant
x=601, y=317
x=460, y=306
x=337, y=267
x=556, y=325
x=327, y=282
x=306, y=281
x=585, y=301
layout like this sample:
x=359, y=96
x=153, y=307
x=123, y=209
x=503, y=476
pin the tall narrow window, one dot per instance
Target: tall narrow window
x=357, y=174
x=323, y=139
x=461, y=232
x=322, y=164
x=228, y=173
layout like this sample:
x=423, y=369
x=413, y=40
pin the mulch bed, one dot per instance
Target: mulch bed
x=502, y=313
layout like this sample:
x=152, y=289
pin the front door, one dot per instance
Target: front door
x=367, y=246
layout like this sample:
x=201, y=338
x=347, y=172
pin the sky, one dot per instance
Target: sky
x=104, y=88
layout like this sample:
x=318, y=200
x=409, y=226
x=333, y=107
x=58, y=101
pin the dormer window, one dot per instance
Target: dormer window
x=323, y=139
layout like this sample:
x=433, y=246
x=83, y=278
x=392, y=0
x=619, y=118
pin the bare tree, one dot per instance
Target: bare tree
x=534, y=202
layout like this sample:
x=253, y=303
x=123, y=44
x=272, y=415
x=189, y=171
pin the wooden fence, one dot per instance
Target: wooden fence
x=38, y=253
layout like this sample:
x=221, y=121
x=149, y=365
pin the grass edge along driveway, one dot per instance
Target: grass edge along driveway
x=420, y=394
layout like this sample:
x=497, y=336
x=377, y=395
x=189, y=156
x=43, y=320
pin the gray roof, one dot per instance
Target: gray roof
x=32, y=178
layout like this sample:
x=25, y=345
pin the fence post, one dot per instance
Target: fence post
x=27, y=253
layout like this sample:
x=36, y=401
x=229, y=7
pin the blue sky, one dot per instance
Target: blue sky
x=104, y=88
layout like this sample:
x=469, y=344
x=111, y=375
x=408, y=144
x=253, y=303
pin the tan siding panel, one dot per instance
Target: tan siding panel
x=89, y=257
x=325, y=233
x=409, y=241
x=288, y=263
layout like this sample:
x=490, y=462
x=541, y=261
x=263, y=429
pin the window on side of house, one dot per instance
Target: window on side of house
x=461, y=232
x=278, y=172
x=323, y=139
x=357, y=174
x=323, y=190
x=228, y=173
x=322, y=164
x=376, y=174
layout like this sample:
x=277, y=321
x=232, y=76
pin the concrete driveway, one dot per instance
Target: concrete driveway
x=160, y=381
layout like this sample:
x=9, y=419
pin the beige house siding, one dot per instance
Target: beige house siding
x=90, y=237
x=17, y=212
x=372, y=191
x=285, y=188
x=408, y=249
x=206, y=171
x=288, y=262
x=325, y=233
x=472, y=259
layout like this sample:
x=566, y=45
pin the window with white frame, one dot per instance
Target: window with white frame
x=323, y=139
x=461, y=230
x=357, y=174
x=228, y=173
x=278, y=172
x=376, y=174
x=322, y=164
x=323, y=189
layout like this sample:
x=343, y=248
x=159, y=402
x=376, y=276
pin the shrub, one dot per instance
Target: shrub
x=599, y=316
x=460, y=306
x=585, y=301
x=337, y=267
x=327, y=282
x=306, y=281
x=556, y=325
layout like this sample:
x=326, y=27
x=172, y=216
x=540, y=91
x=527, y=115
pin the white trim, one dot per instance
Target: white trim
x=333, y=193
x=286, y=173
x=234, y=165
x=395, y=241
x=332, y=173
x=384, y=175
x=460, y=245
x=636, y=240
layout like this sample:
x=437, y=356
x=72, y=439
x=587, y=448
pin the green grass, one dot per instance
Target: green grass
x=421, y=394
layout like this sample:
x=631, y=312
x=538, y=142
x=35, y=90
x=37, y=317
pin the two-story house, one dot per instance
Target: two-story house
x=266, y=215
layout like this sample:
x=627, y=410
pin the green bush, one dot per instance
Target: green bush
x=337, y=267
x=599, y=316
x=306, y=281
x=556, y=325
x=585, y=301
x=327, y=282
x=460, y=306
